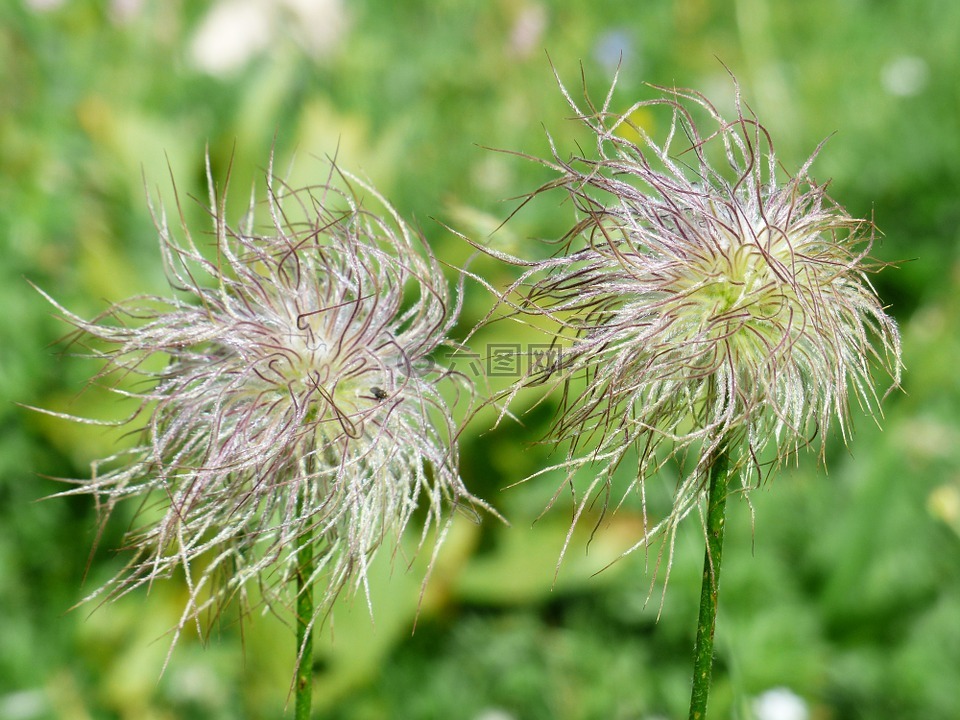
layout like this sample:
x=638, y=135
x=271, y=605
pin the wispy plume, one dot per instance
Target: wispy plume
x=296, y=403
x=705, y=301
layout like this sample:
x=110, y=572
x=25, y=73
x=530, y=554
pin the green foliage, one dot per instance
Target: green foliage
x=843, y=585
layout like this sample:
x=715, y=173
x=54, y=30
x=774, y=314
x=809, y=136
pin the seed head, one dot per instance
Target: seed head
x=703, y=297
x=295, y=398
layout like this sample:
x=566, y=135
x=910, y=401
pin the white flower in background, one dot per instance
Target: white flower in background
x=233, y=32
x=529, y=25
x=780, y=704
x=905, y=75
x=44, y=5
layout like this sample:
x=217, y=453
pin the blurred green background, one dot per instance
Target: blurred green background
x=842, y=587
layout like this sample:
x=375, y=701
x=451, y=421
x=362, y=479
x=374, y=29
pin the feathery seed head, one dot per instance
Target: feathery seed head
x=705, y=297
x=298, y=398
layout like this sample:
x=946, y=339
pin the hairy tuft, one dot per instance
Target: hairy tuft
x=297, y=398
x=701, y=299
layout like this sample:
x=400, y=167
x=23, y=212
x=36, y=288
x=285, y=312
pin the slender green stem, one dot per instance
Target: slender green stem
x=304, y=681
x=707, y=622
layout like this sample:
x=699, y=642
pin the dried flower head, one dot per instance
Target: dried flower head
x=703, y=298
x=297, y=399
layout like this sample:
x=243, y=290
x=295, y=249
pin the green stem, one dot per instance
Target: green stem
x=304, y=681
x=710, y=588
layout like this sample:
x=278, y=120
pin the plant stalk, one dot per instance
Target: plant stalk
x=304, y=679
x=710, y=588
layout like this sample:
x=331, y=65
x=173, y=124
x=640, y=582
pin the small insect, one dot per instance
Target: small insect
x=378, y=393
